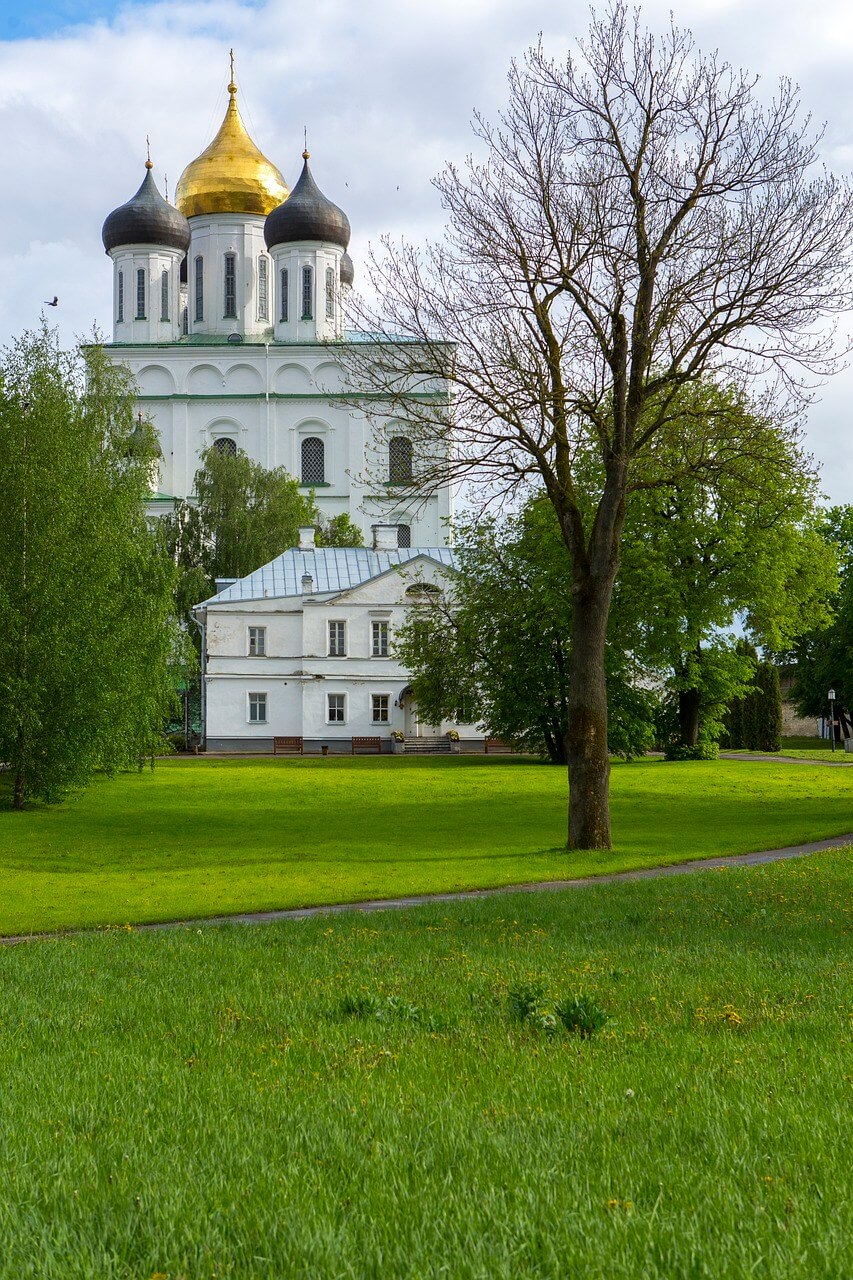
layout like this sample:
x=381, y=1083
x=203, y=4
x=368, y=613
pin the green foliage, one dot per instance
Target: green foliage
x=739, y=540
x=243, y=516
x=89, y=652
x=498, y=642
x=701, y=751
x=753, y=720
x=581, y=1015
x=525, y=1000
x=824, y=655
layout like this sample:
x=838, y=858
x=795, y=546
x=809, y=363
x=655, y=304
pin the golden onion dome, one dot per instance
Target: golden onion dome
x=231, y=175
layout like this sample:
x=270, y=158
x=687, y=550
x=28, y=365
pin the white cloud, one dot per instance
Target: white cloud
x=386, y=89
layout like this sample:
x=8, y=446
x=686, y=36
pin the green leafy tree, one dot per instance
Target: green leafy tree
x=493, y=647
x=706, y=551
x=87, y=637
x=823, y=657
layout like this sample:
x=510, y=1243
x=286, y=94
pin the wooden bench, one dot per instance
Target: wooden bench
x=497, y=746
x=287, y=746
x=367, y=744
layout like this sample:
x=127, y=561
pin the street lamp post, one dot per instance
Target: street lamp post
x=831, y=696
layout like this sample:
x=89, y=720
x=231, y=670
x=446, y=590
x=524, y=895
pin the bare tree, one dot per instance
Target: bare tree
x=641, y=219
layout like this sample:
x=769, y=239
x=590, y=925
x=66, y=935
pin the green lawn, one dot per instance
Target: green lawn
x=199, y=837
x=200, y=1103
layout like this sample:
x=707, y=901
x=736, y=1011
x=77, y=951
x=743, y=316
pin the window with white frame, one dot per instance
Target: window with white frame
x=336, y=708
x=337, y=639
x=257, y=642
x=379, y=639
x=379, y=703
x=263, y=294
x=330, y=293
x=164, y=295
x=120, y=306
x=257, y=708
x=140, y=294
x=307, y=293
x=229, y=310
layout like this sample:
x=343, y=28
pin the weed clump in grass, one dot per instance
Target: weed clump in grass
x=371, y=1007
x=579, y=1014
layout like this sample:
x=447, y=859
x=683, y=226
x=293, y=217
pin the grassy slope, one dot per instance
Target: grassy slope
x=203, y=837
x=203, y=1108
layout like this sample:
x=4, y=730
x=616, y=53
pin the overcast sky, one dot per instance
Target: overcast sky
x=385, y=88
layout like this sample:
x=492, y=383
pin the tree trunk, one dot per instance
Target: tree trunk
x=20, y=792
x=688, y=717
x=586, y=738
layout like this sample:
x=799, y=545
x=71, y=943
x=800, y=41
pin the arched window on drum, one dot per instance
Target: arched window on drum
x=313, y=461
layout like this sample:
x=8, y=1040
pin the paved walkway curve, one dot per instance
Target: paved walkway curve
x=465, y=895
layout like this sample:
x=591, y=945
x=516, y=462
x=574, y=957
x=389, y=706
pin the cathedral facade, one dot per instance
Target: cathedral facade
x=229, y=308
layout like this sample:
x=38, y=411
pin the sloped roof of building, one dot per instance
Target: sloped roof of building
x=332, y=569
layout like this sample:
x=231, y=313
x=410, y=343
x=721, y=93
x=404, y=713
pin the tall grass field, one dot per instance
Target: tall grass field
x=393, y=1095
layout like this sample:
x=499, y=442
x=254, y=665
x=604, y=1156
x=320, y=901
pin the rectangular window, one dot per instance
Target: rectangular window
x=263, y=297
x=337, y=639
x=336, y=703
x=285, y=279
x=379, y=704
x=140, y=294
x=307, y=293
x=257, y=708
x=380, y=639
x=404, y=535
x=120, y=307
x=199, y=288
x=330, y=293
x=164, y=296
x=257, y=642
x=230, y=310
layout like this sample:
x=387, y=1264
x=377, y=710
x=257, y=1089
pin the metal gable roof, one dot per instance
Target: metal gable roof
x=332, y=568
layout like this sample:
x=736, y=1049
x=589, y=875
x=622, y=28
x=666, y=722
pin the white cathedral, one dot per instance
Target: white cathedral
x=229, y=308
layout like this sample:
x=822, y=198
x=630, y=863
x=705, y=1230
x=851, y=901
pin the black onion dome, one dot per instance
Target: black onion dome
x=347, y=270
x=147, y=219
x=306, y=214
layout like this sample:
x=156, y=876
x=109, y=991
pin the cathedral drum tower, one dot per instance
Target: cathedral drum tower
x=229, y=310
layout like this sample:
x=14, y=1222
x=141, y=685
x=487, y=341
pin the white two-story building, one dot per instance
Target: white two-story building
x=303, y=648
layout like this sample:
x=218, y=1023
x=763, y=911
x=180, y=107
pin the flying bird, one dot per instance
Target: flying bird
x=55, y=302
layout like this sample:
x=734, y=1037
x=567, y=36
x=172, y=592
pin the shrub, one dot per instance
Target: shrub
x=581, y=1015
x=702, y=751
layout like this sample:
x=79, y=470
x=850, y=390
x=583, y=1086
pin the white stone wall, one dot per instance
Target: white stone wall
x=212, y=238
x=268, y=398
x=128, y=260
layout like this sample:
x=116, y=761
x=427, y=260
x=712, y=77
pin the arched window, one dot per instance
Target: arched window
x=120, y=303
x=399, y=460
x=404, y=535
x=140, y=294
x=199, y=288
x=284, y=278
x=307, y=293
x=230, y=307
x=164, y=295
x=263, y=296
x=226, y=445
x=313, y=461
x=330, y=293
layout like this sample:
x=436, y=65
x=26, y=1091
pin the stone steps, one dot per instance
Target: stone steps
x=427, y=746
